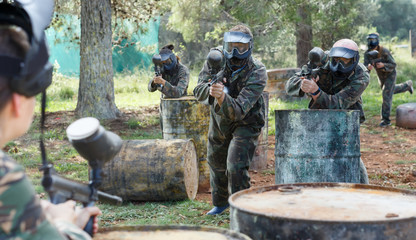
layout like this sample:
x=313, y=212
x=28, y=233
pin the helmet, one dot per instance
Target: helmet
x=344, y=48
x=169, y=59
x=238, y=45
x=372, y=40
x=33, y=74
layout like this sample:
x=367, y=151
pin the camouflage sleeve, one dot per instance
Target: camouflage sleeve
x=388, y=60
x=292, y=86
x=72, y=231
x=180, y=89
x=21, y=214
x=201, y=91
x=366, y=59
x=235, y=109
x=151, y=86
x=348, y=96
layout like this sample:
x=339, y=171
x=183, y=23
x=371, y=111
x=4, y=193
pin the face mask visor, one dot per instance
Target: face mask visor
x=237, y=44
x=337, y=64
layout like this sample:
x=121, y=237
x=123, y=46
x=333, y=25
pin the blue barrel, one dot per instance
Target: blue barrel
x=317, y=146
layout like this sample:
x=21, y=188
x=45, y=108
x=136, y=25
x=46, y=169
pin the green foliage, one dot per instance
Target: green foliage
x=272, y=23
x=278, y=104
x=372, y=96
x=162, y=213
x=395, y=18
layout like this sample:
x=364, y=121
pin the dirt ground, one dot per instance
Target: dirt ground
x=388, y=153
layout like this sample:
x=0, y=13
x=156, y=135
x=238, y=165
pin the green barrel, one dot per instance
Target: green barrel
x=186, y=118
x=324, y=211
x=317, y=146
x=168, y=232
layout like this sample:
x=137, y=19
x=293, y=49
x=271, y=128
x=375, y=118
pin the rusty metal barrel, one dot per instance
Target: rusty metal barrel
x=168, y=232
x=153, y=170
x=276, y=81
x=259, y=161
x=406, y=115
x=324, y=211
x=317, y=146
x=186, y=118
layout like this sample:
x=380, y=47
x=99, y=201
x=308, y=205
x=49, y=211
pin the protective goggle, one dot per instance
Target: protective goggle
x=240, y=47
x=237, y=41
x=344, y=62
x=167, y=61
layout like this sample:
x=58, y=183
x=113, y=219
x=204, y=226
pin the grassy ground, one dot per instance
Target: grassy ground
x=131, y=93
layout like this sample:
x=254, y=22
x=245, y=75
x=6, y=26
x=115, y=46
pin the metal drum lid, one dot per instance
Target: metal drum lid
x=332, y=202
x=170, y=232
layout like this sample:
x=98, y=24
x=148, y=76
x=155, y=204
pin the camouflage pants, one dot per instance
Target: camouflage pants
x=229, y=158
x=389, y=87
x=363, y=173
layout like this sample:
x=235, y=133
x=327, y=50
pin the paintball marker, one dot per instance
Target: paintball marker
x=373, y=57
x=215, y=61
x=97, y=146
x=317, y=57
x=157, y=61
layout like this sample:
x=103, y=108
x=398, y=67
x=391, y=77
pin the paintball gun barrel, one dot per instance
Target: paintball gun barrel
x=97, y=146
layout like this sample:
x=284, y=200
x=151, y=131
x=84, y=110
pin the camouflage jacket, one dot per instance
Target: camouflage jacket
x=389, y=64
x=243, y=105
x=21, y=215
x=176, y=84
x=335, y=94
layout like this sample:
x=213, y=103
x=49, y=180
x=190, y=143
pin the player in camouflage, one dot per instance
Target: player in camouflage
x=339, y=84
x=237, y=115
x=175, y=76
x=386, y=71
x=25, y=72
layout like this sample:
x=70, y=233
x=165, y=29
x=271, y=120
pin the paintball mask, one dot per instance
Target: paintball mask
x=169, y=61
x=33, y=74
x=237, y=48
x=344, y=48
x=372, y=41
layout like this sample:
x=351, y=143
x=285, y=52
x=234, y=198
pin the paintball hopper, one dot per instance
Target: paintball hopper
x=157, y=60
x=373, y=54
x=93, y=142
x=215, y=61
x=316, y=56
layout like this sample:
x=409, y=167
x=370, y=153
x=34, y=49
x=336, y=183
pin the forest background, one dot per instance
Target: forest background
x=284, y=31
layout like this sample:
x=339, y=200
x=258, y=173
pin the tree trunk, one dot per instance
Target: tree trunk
x=413, y=42
x=303, y=35
x=96, y=86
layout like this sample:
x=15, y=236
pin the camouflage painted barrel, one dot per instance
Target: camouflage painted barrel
x=276, y=81
x=259, y=161
x=317, y=146
x=406, y=115
x=324, y=211
x=153, y=170
x=185, y=118
x=168, y=232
